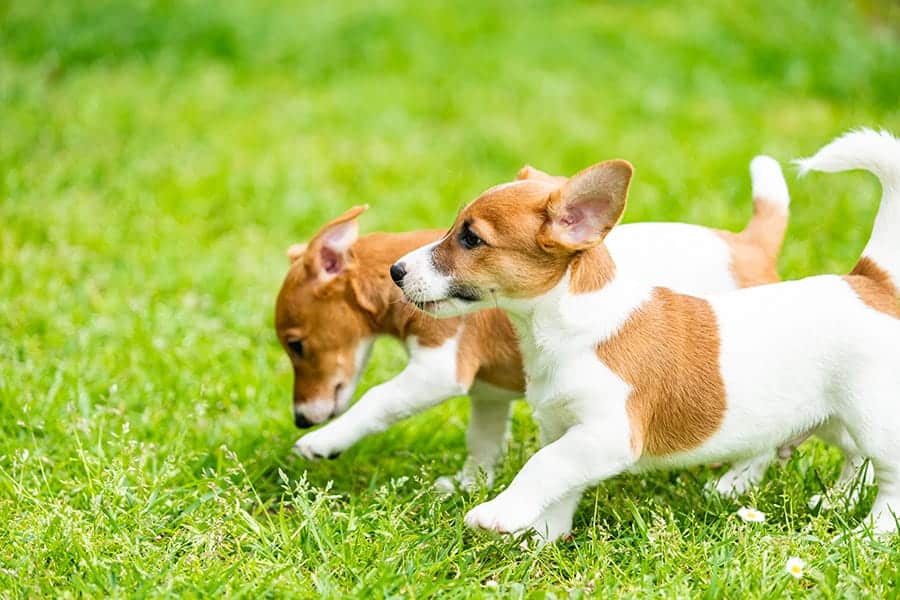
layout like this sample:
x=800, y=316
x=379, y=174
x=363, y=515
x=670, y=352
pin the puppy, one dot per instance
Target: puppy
x=623, y=375
x=337, y=297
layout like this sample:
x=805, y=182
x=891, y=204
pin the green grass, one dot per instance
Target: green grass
x=157, y=157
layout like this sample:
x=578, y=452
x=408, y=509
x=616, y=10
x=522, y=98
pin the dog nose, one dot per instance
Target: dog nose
x=301, y=421
x=398, y=272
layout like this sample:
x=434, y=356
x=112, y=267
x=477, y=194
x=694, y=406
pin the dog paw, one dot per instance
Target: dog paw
x=734, y=483
x=502, y=516
x=732, y=487
x=445, y=485
x=318, y=444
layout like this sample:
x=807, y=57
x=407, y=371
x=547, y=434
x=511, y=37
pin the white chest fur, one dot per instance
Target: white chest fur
x=558, y=334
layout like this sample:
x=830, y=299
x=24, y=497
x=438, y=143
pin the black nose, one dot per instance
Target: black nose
x=398, y=272
x=301, y=421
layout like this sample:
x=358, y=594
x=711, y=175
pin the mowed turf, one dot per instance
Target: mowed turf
x=156, y=158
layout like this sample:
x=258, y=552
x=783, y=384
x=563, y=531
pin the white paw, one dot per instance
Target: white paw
x=319, y=444
x=735, y=483
x=445, y=485
x=502, y=516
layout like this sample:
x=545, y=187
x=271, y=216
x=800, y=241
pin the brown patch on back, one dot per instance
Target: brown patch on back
x=489, y=351
x=668, y=351
x=874, y=286
x=754, y=251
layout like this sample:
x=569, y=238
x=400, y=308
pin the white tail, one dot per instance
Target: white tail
x=879, y=153
x=771, y=202
x=768, y=181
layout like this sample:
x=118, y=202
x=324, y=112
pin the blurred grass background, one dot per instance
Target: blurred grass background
x=157, y=157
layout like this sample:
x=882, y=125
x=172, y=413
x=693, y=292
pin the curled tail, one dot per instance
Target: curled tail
x=879, y=153
x=771, y=202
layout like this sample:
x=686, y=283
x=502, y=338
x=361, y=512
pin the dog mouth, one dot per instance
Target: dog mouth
x=429, y=306
x=464, y=295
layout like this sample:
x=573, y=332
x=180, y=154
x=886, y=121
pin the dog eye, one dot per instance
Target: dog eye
x=468, y=239
x=296, y=347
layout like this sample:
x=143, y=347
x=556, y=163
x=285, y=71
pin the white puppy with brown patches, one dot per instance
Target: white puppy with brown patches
x=625, y=376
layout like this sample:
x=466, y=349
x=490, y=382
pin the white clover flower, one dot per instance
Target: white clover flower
x=795, y=567
x=751, y=515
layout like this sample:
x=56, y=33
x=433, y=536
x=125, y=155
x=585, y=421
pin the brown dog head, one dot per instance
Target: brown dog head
x=323, y=322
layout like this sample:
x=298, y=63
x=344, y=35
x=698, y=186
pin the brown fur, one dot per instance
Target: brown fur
x=668, y=351
x=512, y=259
x=754, y=251
x=591, y=270
x=874, y=286
x=489, y=351
x=527, y=255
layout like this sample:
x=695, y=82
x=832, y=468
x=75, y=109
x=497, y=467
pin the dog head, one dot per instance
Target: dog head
x=515, y=241
x=323, y=321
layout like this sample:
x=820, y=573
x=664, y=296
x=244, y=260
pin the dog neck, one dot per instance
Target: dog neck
x=590, y=304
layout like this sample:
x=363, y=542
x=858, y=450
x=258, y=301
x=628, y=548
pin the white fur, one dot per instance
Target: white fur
x=878, y=152
x=768, y=181
x=793, y=357
x=787, y=364
x=689, y=259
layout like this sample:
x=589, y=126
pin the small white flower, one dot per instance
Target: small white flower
x=751, y=515
x=795, y=566
x=490, y=583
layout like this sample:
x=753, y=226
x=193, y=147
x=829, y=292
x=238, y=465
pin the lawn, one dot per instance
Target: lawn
x=156, y=159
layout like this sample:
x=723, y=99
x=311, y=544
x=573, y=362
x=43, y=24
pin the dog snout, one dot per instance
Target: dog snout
x=301, y=421
x=398, y=272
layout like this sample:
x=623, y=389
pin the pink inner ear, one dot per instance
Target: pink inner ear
x=332, y=262
x=584, y=221
x=573, y=215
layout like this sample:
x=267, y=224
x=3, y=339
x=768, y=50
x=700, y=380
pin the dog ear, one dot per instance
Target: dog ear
x=295, y=252
x=370, y=294
x=328, y=253
x=588, y=206
x=529, y=172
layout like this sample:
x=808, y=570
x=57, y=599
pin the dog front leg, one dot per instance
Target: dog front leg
x=485, y=438
x=585, y=455
x=426, y=381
